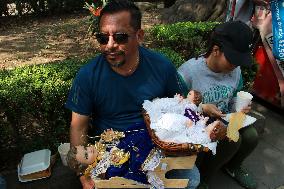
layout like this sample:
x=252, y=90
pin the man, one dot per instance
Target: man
x=110, y=89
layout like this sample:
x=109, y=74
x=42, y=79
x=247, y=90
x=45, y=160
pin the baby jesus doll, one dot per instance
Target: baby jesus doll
x=127, y=154
x=216, y=131
x=178, y=120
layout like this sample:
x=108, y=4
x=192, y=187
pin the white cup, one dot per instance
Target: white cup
x=243, y=100
x=63, y=150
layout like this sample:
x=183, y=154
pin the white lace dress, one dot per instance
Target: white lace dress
x=170, y=125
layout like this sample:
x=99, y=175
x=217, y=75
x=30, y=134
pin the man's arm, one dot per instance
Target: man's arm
x=78, y=129
x=78, y=132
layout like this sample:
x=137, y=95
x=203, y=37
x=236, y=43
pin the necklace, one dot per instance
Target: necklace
x=127, y=72
x=133, y=68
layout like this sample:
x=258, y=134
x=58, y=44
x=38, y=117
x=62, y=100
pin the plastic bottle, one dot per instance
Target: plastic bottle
x=2, y=182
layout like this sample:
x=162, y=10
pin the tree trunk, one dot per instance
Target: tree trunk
x=169, y=3
x=195, y=10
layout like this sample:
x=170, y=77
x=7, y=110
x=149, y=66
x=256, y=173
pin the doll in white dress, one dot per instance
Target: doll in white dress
x=178, y=120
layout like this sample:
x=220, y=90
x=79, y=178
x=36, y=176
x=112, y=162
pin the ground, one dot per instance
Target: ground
x=25, y=41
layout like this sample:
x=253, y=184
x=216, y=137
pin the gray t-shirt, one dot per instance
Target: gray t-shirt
x=216, y=88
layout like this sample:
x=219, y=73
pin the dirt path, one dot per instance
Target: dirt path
x=37, y=41
x=45, y=40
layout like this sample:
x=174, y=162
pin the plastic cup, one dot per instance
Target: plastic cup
x=243, y=100
x=63, y=150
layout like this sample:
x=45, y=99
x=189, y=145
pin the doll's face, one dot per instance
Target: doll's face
x=216, y=130
x=86, y=155
x=194, y=97
x=190, y=96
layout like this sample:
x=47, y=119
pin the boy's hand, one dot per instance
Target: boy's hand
x=179, y=97
x=246, y=109
x=212, y=111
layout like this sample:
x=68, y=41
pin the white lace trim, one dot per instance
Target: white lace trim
x=102, y=166
x=168, y=120
x=155, y=181
x=152, y=161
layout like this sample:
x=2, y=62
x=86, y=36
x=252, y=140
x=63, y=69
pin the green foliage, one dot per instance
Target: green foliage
x=175, y=57
x=187, y=38
x=32, y=113
x=41, y=6
x=95, y=8
x=249, y=75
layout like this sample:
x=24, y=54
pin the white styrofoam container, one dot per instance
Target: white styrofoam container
x=34, y=162
x=27, y=180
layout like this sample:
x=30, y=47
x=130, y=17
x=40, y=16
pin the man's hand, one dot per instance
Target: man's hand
x=212, y=111
x=261, y=3
x=87, y=183
x=246, y=109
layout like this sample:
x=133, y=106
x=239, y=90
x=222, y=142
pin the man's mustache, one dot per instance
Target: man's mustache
x=113, y=52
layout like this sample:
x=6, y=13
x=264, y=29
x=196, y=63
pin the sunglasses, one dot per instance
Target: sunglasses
x=119, y=38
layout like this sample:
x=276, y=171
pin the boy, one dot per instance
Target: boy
x=217, y=75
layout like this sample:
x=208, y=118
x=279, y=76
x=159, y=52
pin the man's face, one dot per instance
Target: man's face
x=114, y=26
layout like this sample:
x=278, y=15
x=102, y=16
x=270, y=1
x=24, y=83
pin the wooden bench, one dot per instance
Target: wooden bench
x=167, y=164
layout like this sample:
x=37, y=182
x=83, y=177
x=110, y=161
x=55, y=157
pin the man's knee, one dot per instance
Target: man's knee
x=228, y=148
x=194, y=177
x=249, y=136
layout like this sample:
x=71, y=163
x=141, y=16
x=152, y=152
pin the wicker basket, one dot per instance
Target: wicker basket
x=170, y=148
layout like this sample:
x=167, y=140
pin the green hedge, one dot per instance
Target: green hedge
x=187, y=38
x=175, y=57
x=32, y=115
